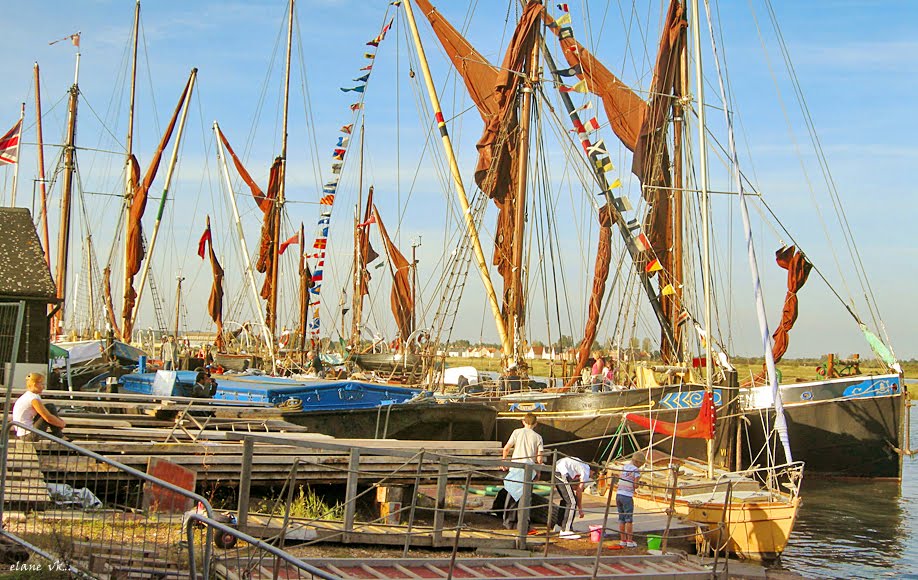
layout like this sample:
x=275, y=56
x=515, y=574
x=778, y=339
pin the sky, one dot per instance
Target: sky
x=855, y=62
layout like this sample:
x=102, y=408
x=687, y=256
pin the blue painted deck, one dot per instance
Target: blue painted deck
x=312, y=395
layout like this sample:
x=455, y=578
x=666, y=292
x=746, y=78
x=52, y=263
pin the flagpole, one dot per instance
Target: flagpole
x=244, y=247
x=128, y=167
x=460, y=187
x=42, y=187
x=18, y=152
x=162, y=202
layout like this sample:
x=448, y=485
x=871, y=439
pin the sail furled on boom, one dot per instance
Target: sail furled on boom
x=215, y=300
x=401, y=297
x=266, y=203
x=494, y=91
x=134, y=246
x=798, y=269
x=600, y=274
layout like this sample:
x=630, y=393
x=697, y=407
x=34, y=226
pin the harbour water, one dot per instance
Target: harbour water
x=858, y=529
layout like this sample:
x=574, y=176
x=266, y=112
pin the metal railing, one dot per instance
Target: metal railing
x=61, y=503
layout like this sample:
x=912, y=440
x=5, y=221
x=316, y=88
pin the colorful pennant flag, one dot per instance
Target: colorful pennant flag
x=563, y=20
x=327, y=199
x=372, y=220
x=584, y=107
x=363, y=79
x=621, y=203
x=369, y=55
x=356, y=106
x=202, y=243
x=615, y=185
x=339, y=154
x=597, y=149
x=357, y=89
x=653, y=266
x=347, y=128
x=343, y=141
x=580, y=87
x=563, y=8
x=604, y=164
x=368, y=67
x=668, y=290
x=642, y=243
x=336, y=167
x=570, y=72
x=683, y=317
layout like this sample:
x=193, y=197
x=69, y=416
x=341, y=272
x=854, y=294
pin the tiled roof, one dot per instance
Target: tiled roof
x=23, y=271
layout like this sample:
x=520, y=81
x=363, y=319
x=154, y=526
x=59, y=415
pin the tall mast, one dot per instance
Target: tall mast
x=162, y=202
x=42, y=188
x=63, y=240
x=279, y=207
x=517, y=304
x=480, y=261
x=178, y=304
x=128, y=165
x=18, y=156
x=679, y=131
x=705, y=218
x=269, y=340
x=359, y=266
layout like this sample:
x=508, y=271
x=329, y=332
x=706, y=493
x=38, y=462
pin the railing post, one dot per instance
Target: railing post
x=245, y=482
x=671, y=509
x=465, y=496
x=350, y=495
x=602, y=530
x=414, y=502
x=440, y=510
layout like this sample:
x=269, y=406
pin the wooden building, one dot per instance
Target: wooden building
x=24, y=276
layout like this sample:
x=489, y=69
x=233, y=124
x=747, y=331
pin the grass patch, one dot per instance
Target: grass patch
x=306, y=504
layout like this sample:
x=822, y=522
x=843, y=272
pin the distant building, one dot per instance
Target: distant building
x=24, y=276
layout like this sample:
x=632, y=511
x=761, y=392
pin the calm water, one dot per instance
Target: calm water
x=858, y=529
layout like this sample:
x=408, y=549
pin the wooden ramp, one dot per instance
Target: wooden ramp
x=383, y=534
x=557, y=568
x=25, y=483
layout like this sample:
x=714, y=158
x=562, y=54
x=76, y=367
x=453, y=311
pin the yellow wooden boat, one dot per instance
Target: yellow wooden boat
x=748, y=513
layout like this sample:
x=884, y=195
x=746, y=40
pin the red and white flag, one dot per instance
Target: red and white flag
x=9, y=145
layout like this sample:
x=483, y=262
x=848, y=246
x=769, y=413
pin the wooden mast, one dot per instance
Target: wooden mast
x=162, y=202
x=128, y=168
x=679, y=130
x=705, y=218
x=480, y=261
x=42, y=188
x=359, y=266
x=279, y=202
x=517, y=302
x=63, y=240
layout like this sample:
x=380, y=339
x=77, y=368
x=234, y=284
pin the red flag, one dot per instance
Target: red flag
x=372, y=220
x=294, y=239
x=9, y=145
x=202, y=243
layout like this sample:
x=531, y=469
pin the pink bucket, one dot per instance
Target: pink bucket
x=595, y=533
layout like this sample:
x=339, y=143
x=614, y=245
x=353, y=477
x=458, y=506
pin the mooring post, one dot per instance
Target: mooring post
x=350, y=494
x=440, y=510
x=522, y=517
x=414, y=503
x=245, y=483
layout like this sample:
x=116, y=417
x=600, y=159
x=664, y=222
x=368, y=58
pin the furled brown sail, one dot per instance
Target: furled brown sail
x=401, y=297
x=798, y=270
x=364, y=248
x=215, y=301
x=134, y=242
x=266, y=203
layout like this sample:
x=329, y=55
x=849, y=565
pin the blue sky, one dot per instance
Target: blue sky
x=856, y=62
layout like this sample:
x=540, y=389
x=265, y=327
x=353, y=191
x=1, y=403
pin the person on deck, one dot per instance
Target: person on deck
x=32, y=412
x=167, y=353
x=570, y=477
x=316, y=364
x=624, y=499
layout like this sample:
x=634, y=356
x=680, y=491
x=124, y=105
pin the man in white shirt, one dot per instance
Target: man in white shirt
x=526, y=446
x=570, y=477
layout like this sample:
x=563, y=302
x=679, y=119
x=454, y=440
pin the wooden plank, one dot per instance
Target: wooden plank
x=556, y=570
x=498, y=569
x=468, y=570
x=373, y=571
x=436, y=570
x=405, y=571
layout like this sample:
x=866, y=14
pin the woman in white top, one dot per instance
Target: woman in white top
x=32, y=412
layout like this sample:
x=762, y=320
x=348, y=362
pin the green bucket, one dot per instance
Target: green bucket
x=654, y=542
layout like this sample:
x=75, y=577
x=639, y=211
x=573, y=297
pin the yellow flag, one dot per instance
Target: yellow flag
x=604, y=164
x=653, y=266
x=563, y=21
x=615, y=184
x=668, y=290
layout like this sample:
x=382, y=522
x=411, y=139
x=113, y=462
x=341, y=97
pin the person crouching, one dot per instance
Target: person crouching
x=32, y=412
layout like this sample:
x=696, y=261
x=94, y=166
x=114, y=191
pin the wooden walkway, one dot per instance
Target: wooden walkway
x=556, y=568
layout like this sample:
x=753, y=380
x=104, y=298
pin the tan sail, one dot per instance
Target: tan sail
x=401, y=296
